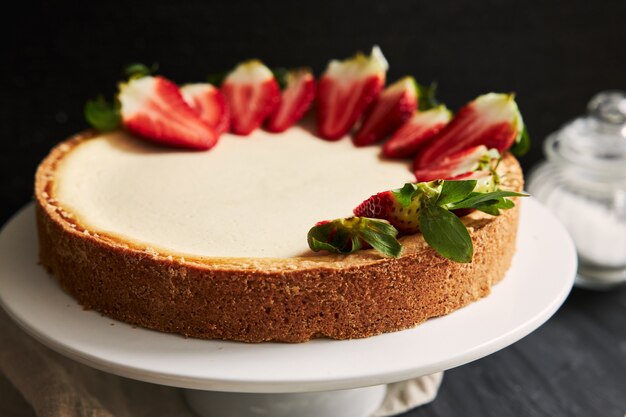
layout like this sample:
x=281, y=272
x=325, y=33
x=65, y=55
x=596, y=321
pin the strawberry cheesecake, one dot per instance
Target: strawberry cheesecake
x=214, y=211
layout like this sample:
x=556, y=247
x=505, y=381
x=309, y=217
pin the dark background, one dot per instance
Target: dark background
x=554, y=55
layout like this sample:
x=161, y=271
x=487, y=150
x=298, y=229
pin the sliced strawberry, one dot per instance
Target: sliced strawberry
x=392, y=108
x=295, y=99
x=492, y=120
x=346, y=89
x=454, y=166
x=153, y=107
x=209, y=102
x=252, y=94
x=420, y=128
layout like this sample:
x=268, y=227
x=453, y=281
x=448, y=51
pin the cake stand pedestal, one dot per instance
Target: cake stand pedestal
x=358, y=402
x=317, y=378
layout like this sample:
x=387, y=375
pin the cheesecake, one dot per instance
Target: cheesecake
x=213, y=244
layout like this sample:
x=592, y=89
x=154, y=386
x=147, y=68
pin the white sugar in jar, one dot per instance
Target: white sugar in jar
x=583, y=182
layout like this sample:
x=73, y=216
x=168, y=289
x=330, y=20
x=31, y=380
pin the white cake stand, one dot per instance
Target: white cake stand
x=318, y=378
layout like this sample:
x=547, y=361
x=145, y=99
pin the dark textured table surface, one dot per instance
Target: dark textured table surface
x=554, y=55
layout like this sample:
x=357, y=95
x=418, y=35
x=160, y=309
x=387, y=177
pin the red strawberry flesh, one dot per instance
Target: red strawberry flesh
x=453, y=166
x=376, y=205
x=210, y=104
x=295, y=100
x=154, y=108
x=252, y=94
x=492, y=120
x=417, y=131
x=345, y=90
x=392, y=108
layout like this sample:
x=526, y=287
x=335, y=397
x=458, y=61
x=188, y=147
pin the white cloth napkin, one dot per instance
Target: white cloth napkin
x=36, y=381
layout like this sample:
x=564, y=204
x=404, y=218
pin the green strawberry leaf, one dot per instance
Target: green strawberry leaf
x=493, y=207
x=405, y=194
x=522, y=143
x=426, y=94
x=217, y=78
x=327, y=237
x=138, y=70
x=475, y=200
x=455, y=191
x=317, y=245
x=489, y=209
x=423, y=190
x=102, y=115
x=280, y=74
x=445, y=233
x=381, y=236
x=356, y=243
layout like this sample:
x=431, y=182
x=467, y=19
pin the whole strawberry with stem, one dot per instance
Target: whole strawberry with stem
x=400, y=207
x=433, y=208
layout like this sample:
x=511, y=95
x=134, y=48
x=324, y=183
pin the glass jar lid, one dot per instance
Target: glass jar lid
x=595, y=142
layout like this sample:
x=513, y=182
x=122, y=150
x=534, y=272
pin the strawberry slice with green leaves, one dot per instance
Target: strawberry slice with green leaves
x=392, y=108
x=295, y=99
x=431, y=207
x=458, y=164
x=346, y=89
x=154, y=108
x=418, y=130
x=253, y=95
x=210, y=104
x=492, y=120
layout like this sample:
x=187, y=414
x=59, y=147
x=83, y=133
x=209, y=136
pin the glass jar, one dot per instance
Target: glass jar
x=583, y=182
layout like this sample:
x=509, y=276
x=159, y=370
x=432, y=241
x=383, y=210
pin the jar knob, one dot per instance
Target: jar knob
x=609, y=106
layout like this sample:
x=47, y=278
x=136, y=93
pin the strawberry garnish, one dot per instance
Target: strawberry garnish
x=392, y=108
x=252, y=94
x=433, y=208
x=295, y=99
x=354, y=233
x=346, y=89
x=418, y=130
x=210, y=104
x=456, y=165
x=154, y=108
x=492, y=120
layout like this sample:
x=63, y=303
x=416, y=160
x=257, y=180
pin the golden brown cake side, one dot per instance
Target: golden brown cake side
x=290, y=300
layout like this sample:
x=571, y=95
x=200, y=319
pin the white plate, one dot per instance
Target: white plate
x=536, y=285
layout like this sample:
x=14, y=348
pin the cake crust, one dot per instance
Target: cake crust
x=267, y=299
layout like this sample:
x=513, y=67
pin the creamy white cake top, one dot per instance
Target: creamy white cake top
x=254, y=196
